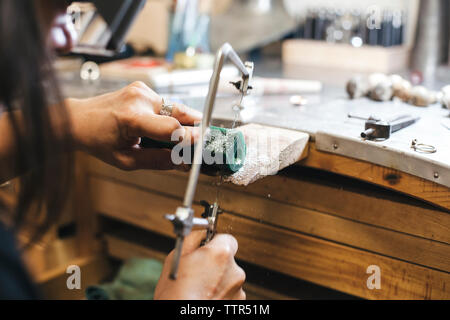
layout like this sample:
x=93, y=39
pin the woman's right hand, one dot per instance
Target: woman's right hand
x=208, y=272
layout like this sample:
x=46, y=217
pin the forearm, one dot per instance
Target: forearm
x=80, y=115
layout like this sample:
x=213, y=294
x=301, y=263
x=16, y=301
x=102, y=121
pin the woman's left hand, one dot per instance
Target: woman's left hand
x=110, y=127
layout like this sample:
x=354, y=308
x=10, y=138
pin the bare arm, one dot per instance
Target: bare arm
x=109, y=127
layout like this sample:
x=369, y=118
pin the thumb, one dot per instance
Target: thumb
x=192, y=241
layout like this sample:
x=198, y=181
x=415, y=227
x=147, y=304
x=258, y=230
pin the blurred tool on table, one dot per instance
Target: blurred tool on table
x=354, y=27
x=431, y=46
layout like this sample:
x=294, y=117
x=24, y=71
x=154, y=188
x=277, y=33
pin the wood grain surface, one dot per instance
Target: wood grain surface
x=389, y=178
x=324, y=262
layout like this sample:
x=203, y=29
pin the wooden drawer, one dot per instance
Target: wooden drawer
x=321, y=238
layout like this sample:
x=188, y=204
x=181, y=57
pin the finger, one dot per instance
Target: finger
x=140, y=158
x=190, y=244
x=225, y=242
x=240, y=295
x=193, y=241
x=236, y=293
x=184, y=114
x=191, y=135
x=237, y=277
x=162, y=128
x=181, y=112
x=152, y=95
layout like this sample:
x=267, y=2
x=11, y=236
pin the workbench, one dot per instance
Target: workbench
x=324, y=220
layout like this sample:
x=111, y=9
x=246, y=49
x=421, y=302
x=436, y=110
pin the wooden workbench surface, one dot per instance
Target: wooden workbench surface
x=396, y=180
x=311, y=224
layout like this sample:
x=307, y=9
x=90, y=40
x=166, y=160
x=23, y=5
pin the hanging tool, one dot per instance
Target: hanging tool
x=183, y=220
x=104, y=26
x=376, y=128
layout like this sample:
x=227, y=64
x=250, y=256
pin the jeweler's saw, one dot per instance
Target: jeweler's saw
x=183, y=220
x=240, y=155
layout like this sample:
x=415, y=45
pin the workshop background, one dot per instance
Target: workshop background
x=358, y=202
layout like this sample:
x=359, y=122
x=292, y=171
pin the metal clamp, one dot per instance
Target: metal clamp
x=211, y=213
x=422, y=147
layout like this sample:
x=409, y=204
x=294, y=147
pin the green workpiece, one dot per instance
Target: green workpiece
x=224, y=150
x=227, y=148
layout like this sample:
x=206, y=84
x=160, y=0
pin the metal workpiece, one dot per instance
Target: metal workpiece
x=184, y=219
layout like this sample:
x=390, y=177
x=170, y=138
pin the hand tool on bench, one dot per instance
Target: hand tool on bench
x=376, y=128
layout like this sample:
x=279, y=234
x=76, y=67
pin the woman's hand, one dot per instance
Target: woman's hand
x=207, y=272
x=110, y=127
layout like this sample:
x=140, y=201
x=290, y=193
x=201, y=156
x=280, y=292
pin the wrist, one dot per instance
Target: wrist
x=75, y=114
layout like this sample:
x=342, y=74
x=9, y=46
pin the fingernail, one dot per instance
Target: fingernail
x=199, y=114
x=179, y=133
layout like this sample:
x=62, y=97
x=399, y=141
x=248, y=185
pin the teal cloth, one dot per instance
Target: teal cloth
x=226, y=145
x=136, y=280
x=229, y=146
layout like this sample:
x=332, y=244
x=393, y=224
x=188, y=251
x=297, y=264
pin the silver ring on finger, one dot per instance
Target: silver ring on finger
x=166, y=109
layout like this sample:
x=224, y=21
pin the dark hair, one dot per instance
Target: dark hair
x=30, y=95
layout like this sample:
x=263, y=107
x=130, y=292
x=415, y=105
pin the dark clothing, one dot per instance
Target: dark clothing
x=15, y=282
